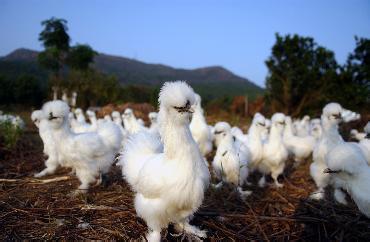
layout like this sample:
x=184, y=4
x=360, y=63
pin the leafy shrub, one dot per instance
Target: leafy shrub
x=9, y=134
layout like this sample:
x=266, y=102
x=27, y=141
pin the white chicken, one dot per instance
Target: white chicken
x=238, y=133
x=80, y=125
x=330, y=118
x=316, y=128
x=80, y=116
x=349, y=116
x=303, y=127
x=266, y=130
x=255, y=145
x=90, y=154
x=153, y=117
x=199, y=128
x=170, y=179
x=300, y=147
x=93, y=121
x=275, y=153
x=365, y=143
x=349, y=170
x=130, y=122
x=231, y=160
x=52, y=162
x=107, y=118
x=116, y=117
x=358, y=136
x=118, y=121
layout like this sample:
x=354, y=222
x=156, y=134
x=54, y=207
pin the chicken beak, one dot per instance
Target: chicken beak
x=191, y=110
x=329, y=171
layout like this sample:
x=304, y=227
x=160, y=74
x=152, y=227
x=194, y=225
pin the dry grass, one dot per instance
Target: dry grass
x=33, y=210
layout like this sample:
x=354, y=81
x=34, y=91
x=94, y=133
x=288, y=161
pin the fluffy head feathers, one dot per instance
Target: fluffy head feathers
x=332, y=109
x=128, y=111
x=176, y=94
x=222, y=127
x=90, y=113
x=152, y=116
x=55, y=108
x=278, y=118
x=36, y=115
x=116, y=114
x=259, y=119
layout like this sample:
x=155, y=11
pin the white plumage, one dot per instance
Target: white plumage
x=130, y=122
x=90, y=154
x=303, y=126
x=199, y=128
x=231, y=160
x=358, y=136
x=300, y=147
x=316, y=128
x=255, y=145
x=274, y=151
x=266, y=130
x=365, y=143
x=93, y=121
x=330, y=119
x=80, y=125
x=238, y=133
x=153, y=117
x=169, y=180
x=349, y=170
x=349, y=116
x=52, y=162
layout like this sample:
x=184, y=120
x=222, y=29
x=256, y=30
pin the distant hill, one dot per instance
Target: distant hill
x=214, y=81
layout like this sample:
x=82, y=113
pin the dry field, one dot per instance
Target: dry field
x=43, y=209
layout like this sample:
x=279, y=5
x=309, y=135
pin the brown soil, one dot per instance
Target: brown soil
x=31, y=210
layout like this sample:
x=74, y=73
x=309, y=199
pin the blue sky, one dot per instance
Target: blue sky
x=236, y=34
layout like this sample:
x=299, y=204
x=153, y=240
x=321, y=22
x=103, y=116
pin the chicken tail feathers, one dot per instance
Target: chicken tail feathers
x=111, y=135
x=137, y=149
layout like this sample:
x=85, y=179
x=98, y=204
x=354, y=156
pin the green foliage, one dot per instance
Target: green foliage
x=300, y=73
x=10, y=134
x=304, y=76
x=25, y=89
x=354, y=80
x=93, y=88
x=80, y=57
x=49, y=59
x=97, y=89
x=222, y=103
x=55, y=34
x=56, y=42
x=6, y=96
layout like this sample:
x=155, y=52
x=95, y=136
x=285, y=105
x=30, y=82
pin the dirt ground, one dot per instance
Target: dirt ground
x=30, y=209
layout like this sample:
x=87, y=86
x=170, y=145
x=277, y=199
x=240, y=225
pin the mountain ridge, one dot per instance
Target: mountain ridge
x=215, y=79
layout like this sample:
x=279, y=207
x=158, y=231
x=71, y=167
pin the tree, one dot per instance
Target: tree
x=6, y=96
x=356, y=74
x=80, y=57
x=93, y=88
x=55, y=34
x=299, y=74
x=56, y=42
x=27, y=90
x=50, y=59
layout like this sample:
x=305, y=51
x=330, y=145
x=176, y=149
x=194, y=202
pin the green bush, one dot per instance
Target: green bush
x=9, y=134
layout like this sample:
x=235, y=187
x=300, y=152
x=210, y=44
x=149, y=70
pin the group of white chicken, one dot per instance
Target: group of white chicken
x=165, y=163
